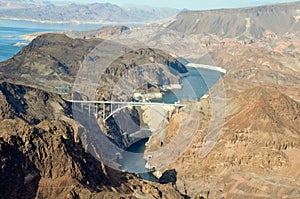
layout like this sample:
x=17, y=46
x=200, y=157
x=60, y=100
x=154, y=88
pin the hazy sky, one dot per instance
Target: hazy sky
x=190, y=4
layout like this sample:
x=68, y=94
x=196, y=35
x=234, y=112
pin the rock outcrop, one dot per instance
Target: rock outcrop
x=29, y=104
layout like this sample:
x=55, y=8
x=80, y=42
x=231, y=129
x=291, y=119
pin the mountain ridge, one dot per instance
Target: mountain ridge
x=89, y=13
x=252, y=22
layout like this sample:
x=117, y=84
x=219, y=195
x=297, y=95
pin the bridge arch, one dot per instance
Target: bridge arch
x=119, y=109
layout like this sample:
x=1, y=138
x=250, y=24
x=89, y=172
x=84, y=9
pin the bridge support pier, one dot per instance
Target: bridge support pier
x=96, y=111
x=103, y=116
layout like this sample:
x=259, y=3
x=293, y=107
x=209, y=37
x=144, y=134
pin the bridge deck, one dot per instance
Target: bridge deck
x=126, y=103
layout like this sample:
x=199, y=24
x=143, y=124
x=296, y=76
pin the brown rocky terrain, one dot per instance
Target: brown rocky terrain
x=251, y=65
x=37, y=127
x=29, y=104
x=43, y=157
x=256, y=154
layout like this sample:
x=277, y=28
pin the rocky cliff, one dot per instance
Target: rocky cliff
x=42, y=155
x=29, y=104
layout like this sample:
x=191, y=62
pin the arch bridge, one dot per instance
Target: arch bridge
x=94, y=107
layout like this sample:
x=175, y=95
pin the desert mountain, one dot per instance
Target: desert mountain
x=90, y=13
x=259, y=142
x=52, y=60
x=253, y=22
x=50, y=55
x=269, y=107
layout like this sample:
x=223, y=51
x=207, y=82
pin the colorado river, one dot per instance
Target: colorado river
x=137, y=162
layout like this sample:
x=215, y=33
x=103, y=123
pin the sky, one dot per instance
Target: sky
x=181, y=4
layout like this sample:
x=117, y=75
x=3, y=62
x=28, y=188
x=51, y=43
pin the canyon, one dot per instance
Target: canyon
x=239, y=141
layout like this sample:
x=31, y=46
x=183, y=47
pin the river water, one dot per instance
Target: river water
x=136, y=162
x=194, y=87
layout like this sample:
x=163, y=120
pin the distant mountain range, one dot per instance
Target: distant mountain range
x=17, y=4
x=253, y=22
x=87, y=13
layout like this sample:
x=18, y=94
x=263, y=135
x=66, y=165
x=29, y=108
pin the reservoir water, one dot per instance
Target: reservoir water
x=194, y=86
x=11, y=33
